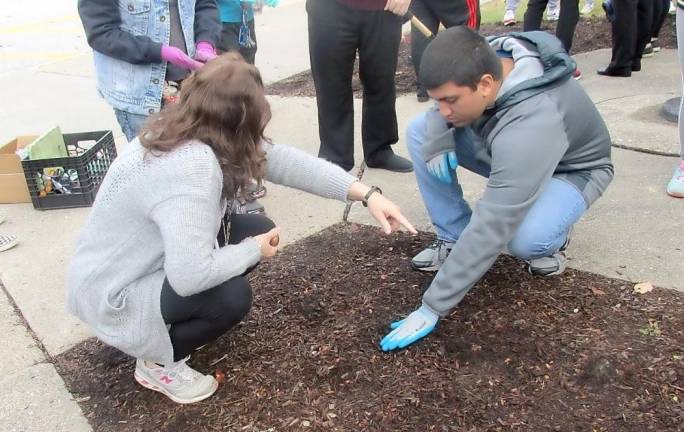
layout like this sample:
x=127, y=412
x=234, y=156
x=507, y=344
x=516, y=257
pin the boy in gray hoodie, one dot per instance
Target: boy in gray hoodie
x=506, y=109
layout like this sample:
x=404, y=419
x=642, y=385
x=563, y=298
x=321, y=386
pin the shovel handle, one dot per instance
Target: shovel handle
x=419, y=25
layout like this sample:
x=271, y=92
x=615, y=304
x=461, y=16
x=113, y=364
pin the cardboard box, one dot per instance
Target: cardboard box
x=13, y=187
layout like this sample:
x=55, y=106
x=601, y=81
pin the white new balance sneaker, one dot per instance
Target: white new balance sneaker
x=178, y=381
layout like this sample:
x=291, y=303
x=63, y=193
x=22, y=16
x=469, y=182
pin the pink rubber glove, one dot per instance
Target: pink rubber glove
x=204, y=51
x=177, y=57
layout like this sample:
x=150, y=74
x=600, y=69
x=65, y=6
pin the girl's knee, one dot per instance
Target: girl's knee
x=236, y=300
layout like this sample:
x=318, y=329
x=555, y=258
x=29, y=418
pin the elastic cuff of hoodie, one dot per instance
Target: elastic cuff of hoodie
x=441, y=315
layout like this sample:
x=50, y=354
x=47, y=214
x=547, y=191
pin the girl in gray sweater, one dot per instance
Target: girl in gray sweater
x=149, y=275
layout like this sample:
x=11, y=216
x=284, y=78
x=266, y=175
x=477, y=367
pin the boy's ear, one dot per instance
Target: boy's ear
x=486, y=85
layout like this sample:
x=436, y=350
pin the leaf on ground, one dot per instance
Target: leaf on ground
x=643, y=287
x=597, y=292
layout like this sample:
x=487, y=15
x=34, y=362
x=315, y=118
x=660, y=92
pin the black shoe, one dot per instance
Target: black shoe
x=636, y=65
x=655, y=43
x=422, y=95
x=648, y=51
x=614, y=73
x=391, y=162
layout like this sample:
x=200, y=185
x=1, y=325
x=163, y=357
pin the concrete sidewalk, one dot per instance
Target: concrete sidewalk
x=633, y=232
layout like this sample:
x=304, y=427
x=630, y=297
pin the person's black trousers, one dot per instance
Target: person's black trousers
x=432, y=13
x=631, y=31
x=336, y=34
x=660, y=11
x=567, y=21
x=201, y=318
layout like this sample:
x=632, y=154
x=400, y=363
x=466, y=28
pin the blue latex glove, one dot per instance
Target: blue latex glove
x=443, y=165
x=415, y=326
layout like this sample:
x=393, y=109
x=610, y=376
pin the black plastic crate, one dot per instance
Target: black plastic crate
x=71, y=181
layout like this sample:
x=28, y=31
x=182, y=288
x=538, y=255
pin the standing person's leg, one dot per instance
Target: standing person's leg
x=644, y=28
x=569, y=15
x=419, y=41
x=533, y=14
x=449, y=212
x=130, y=123
x=229, y=40
x=658, y=18
x=624, y=39
x=553, y=8
x=675, y=187
x=663, y=8
x=509, y=13
x=380, y=35
x=545, y=230
x=333, y=40
x=448, y=13
x=458, y=12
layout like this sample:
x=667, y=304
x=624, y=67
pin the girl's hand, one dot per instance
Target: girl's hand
x=268, y=242
x=388, y=214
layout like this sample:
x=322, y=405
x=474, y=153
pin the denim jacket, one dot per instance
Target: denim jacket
x=126, y=36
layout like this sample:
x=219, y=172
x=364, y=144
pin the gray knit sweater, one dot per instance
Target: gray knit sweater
x=158, y=216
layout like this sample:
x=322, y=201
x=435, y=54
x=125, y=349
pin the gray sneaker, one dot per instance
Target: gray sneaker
x=432, y=257
x=551, y=265
x=548, y=266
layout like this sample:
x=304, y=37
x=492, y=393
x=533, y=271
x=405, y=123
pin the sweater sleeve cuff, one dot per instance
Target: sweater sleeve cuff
x=252, y=251
x=339, y=184
x=433, y=310
x=153, y=53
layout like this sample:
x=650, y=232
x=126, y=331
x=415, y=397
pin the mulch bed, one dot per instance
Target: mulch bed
x=591, y=34
x=579, y=352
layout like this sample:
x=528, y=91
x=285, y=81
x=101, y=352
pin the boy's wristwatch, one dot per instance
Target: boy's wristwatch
x=372, y=190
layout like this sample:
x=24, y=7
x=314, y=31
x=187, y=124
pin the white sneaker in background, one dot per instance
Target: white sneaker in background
x=508, y=18
x=552, y=14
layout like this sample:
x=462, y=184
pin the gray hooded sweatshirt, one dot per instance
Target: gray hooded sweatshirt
x=542, y=125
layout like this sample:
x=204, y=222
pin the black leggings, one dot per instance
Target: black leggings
x=201, y=318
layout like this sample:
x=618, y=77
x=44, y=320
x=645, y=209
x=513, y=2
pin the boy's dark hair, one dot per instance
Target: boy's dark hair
x=459, y=55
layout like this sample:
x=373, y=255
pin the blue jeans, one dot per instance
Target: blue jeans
x=130, y=123
x=544, y=229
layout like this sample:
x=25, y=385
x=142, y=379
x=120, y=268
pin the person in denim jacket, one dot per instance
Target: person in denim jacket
x=139, y=46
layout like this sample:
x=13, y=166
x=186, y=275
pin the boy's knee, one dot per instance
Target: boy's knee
x=415, y=133
x=527, y=246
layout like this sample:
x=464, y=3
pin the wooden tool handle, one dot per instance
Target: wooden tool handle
x=419, y=25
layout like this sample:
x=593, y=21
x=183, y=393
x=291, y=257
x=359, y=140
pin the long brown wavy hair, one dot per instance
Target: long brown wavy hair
x=222, y=105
